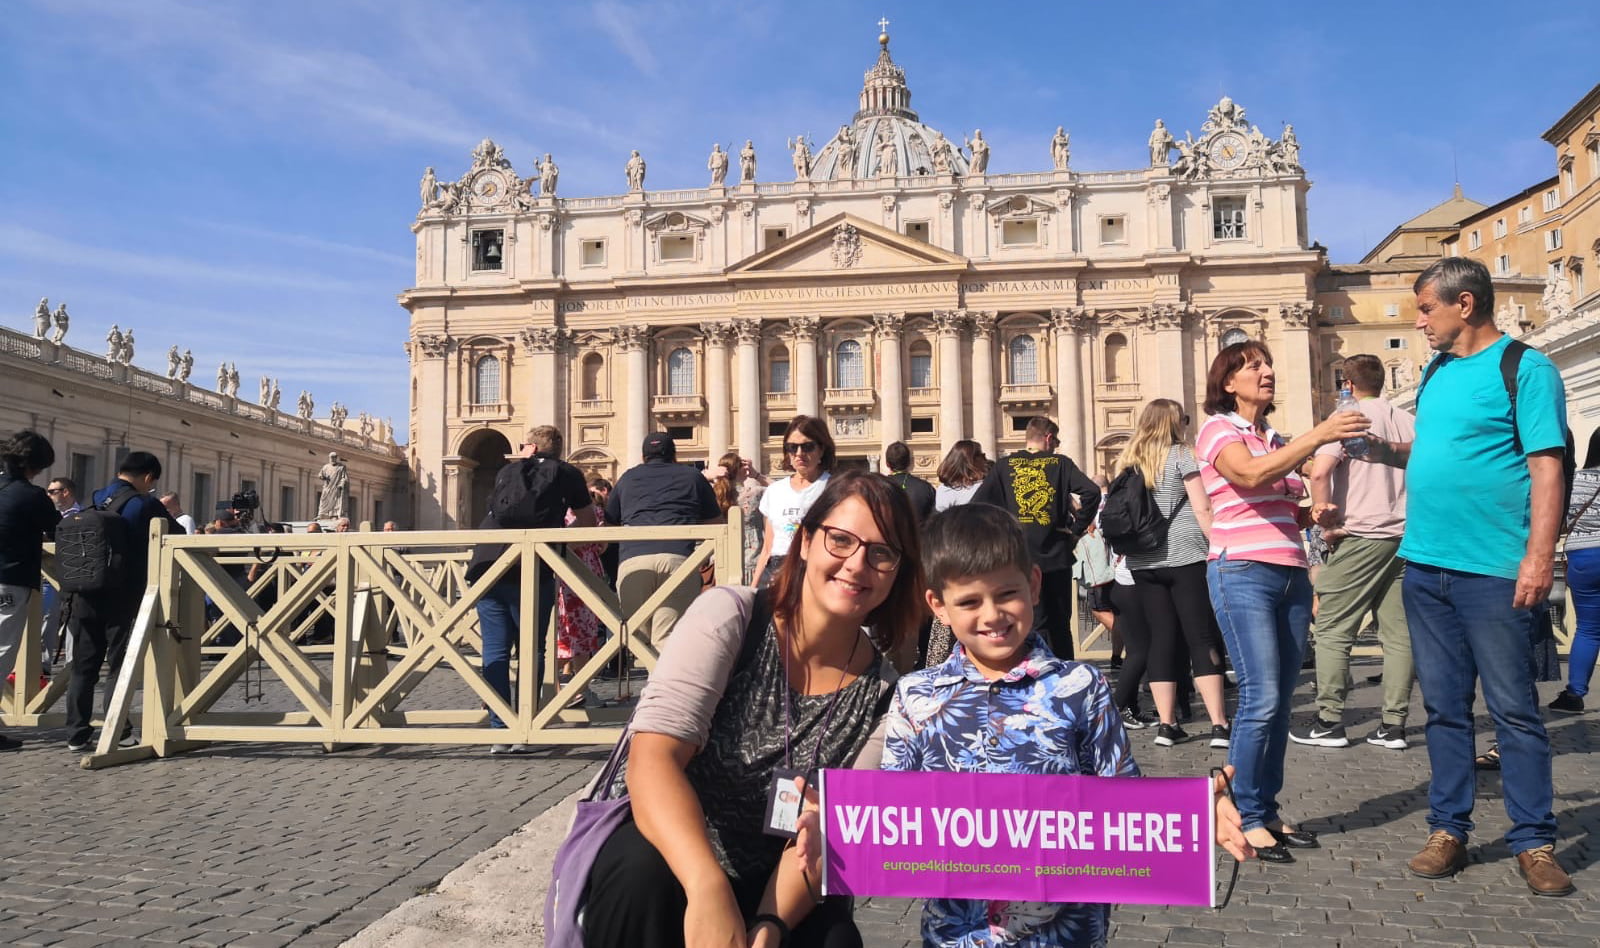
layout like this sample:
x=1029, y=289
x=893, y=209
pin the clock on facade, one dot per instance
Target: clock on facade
x=1227, y=151
x=489, y=187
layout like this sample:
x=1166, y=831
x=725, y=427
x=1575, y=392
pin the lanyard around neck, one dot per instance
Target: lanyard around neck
x=827, y=719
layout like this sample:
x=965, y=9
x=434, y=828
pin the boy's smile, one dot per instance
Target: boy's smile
x=991, y=615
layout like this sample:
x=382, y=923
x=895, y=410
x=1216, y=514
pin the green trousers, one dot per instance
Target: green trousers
x=1362, y=575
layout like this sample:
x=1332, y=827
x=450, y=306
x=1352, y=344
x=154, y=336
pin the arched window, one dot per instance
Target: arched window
x=680, y=372
x=1024, y=360
x=848, y=370
x=593, y=366
x=486, y=381
x=1233, y=336
x=921, y=364
x=1116, y=357
x=778, y=369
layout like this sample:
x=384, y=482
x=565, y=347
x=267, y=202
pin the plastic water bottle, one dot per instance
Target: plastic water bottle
x=1353, y=447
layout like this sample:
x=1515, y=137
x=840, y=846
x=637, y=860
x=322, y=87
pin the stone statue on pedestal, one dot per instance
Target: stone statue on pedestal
x=185, y=366
x=548, y=172
x=365, y=422
x=800, y=152
x=888, y=156
x=222, y=378
x=943, y=157
x=335, y=496
x=430, y=190
x=979, y=162
x=41, y=319
x=304, y=405
x=747, y=162
x=174, y=361
x=1161, y=143
x=1289, y=150
x=635, y=171
x=126, y=357
x=1061, y=148
x=113, y=344
x=265, y=391
x=717, y=164
x=275, y=396
x=1557, y=298
x=62, y=321
x=233, y=379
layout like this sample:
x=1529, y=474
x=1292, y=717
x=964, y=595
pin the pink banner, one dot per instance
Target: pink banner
x=1131, y=840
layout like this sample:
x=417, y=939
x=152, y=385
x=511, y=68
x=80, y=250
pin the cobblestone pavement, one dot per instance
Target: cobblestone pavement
x=280, y=844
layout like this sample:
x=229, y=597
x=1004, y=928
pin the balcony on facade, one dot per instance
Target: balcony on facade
x=1119, y=390
x=487, y=411
x=923, y=396
x=678, y=407
x=589, y=407
x=780, y=401
x=848, y=399
x=1038, y=396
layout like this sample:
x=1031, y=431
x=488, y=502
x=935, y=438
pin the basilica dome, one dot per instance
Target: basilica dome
x=885, y=129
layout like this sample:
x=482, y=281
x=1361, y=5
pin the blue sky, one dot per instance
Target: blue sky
x=240, y=177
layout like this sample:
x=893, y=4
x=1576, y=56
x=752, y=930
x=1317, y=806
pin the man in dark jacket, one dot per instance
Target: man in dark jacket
x=1038, y=486
x=658, y=493
x=898, y=457
x=102, y=621
x=27, y=518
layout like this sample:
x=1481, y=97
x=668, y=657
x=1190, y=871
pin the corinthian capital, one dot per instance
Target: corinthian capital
x=432, y=345
x=1164, y=316
x=542, y=338
x=804, y=328
x=1070, y=320
x=889, y=325
x=949, y=322
x=716, y=333
x=1297, y=314
x=633, y=338
x=982, y=321
x=747, y=331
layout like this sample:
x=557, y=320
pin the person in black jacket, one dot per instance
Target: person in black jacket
x=898, y=457
x=1038, y=486
x=658, y=493
x=27, y=518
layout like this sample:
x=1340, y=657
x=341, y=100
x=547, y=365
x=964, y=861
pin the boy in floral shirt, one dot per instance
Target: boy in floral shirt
x=1004, y=703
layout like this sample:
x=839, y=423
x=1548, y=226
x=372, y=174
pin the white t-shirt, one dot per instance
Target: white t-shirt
x=186, y=522
x=784, y=507
x=946, y=497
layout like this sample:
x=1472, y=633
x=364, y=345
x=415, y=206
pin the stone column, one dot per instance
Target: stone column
x=634, y=342
x=719, y=420
x=748, y=335
x=1067, y=323
x=432, y=508
x=985, y=400
x=947, y=328
x=1294, y=362
x=1167, y=320
x=540, y=342
x=891, y=377
x=803, y=331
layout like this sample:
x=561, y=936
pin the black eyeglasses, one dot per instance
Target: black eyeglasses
x=842, y=544
x=52, y=491
x=799, y=447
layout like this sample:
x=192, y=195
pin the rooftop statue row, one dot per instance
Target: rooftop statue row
x=1228, y=146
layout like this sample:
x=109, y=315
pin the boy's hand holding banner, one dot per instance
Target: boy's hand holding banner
x=1136, y=840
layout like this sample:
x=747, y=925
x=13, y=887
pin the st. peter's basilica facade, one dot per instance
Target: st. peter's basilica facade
x=889, y=284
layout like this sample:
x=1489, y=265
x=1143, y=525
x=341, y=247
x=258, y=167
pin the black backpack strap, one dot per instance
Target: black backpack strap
x=1510, y=361
x=755, y=630
x=1427, y=373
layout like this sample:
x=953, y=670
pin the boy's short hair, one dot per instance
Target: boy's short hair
x=970, y=540
x=140, y=462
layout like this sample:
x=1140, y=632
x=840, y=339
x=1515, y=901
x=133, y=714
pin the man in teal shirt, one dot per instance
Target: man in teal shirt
x=1483, y=505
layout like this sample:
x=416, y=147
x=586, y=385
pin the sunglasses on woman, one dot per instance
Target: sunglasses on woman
x=842, y=544
x=800, y=447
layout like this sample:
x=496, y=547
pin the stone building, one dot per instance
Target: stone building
x=885, y=281
x=96, y=409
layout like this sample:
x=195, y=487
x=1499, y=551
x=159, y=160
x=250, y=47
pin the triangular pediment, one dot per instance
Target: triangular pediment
x=845, y=244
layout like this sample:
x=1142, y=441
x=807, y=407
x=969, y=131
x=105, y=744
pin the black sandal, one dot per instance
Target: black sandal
x=1489, y=759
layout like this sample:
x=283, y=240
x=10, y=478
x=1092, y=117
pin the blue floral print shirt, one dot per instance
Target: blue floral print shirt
x=1045, y=716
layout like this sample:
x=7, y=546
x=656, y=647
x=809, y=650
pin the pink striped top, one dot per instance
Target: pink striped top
x=1250, y=523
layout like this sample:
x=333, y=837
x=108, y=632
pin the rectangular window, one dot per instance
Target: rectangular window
x=1227, y=218
x=1552, y=239
x=775, y=429
x=1525, y=215
x=773, y=236
x=1577, y=284
x=1114, y=230
x=677, y=247
x=488, y=249
x=921, y=370
x=1594, y=160
x=1019, y=233
x=1502, y=263
x=1566, y=180
x=922, y=426
x=1395, y=342
x=377, y=514
x=1474, y=240
x=200, y=497
x=680, y=432
x=1555, y=270
x=83, y=474
x=1522, y=313
x=1019, y=423
x=591, y=253
x=779, y=372
x=1336, y=313
x=286, y=503
x=1392, y=310
x=1552, y=199
x=1500, y=227
x=917, y=230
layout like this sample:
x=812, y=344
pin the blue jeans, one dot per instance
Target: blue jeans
x=1583, y=581
x=1464, y=630
x=1265, y=611
x=500, y=624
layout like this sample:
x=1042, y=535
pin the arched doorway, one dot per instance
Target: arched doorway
x=486, y=452
x=1107, y=452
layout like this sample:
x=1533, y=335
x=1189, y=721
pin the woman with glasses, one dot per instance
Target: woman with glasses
x=808, y=452
x=1170, y=581
x=750, y=687
x=1256, y=573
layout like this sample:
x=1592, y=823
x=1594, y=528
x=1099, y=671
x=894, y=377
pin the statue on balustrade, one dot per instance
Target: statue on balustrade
x=548, y=173
x=113, y=344
x=1061, y=148
x=275, y=396
x=62, y=321
x=41, y=319
x=335, y=496
x=747, y=163
x=430, y=190
x=635, y=171
x=979, y=162
x=174, y=362
x=801, y=154
x=126, y=355
x=185, y=366
x=233, y=379
x=717, y=164
x=1161, y=144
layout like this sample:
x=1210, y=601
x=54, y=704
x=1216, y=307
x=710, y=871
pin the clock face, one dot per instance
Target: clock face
x=1227, y=151
x=488, y=188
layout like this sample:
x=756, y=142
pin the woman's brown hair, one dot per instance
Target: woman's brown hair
x=814, y=429
x=727, y=487
x=1220, y=401
x=964, y=466
x=897, y=618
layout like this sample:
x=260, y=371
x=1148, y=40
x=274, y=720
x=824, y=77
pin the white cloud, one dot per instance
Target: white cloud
x=616, y=21
x=302, y=240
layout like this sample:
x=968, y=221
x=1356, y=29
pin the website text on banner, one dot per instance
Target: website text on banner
x=1129, y=840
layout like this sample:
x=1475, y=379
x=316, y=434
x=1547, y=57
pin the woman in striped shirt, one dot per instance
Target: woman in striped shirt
x=1256, y=574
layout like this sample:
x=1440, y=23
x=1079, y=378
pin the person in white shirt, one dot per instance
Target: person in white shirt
x=169, y=500
x=808, y=451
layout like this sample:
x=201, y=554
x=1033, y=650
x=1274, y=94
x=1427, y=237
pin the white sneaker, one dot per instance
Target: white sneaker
x=501, y=749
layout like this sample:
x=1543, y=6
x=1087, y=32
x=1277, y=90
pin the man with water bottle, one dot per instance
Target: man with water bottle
x=1361, y=507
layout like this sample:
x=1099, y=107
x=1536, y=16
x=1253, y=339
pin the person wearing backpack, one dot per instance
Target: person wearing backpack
x=1038, y=486
x=1484, y=506
x=533, y=492
x=103, y=611
x=27, y=519
x=1169, y=568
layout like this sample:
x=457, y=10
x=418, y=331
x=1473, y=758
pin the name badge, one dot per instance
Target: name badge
x=783, y=804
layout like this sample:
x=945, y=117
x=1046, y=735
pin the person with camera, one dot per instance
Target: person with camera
x=102, y=620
